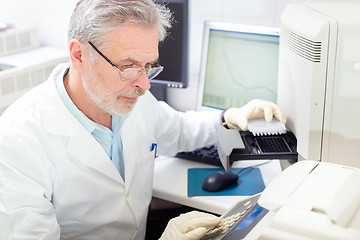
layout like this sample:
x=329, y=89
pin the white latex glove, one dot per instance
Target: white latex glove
x=189, y=226
x=237, y=118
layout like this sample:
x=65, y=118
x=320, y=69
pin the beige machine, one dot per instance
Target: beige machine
x=24, y=64
x=308, y=200
x=312, y=200
x=319, y=79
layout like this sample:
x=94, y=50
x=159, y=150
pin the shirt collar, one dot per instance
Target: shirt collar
x=88, y=124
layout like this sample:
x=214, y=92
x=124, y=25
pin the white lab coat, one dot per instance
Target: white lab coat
x=56, y=181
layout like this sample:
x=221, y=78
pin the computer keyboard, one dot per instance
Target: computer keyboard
x=281, y=146
x=207, y=155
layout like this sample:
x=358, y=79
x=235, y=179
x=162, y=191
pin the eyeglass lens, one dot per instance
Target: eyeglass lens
x=154, y=72
x=131, y=74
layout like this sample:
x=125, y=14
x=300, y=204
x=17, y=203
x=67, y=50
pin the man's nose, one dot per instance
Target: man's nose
x=143, y=81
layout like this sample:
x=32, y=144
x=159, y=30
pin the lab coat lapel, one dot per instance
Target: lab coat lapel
x=128, y=133
x=85, y=148
x=137, y=138
x=82, y=146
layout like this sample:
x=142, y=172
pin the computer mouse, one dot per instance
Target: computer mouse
x=219, y=180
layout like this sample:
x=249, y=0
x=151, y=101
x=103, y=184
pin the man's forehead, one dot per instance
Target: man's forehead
x=132, y=39
x=133, y=34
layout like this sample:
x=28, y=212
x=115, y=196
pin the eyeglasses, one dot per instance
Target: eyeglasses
x=132, y=74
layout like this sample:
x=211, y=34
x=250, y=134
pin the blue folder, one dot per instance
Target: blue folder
x=250, y=182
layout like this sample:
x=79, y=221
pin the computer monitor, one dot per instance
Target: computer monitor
x=173, y=51
x=239, y=63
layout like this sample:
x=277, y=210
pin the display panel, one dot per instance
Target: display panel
x=173, y=51
x=239, y=63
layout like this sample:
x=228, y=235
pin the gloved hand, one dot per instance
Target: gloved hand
x=237, y=118
x=189, y=226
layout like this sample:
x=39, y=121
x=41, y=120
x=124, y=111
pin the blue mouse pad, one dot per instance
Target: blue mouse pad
x=250, y=182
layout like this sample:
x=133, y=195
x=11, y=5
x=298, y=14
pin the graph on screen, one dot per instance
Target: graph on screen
x=240, y=66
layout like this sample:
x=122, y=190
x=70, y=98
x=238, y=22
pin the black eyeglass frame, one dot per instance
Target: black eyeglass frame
x=157, y=69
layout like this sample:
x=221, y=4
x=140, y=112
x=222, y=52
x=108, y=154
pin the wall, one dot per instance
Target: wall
x=52, y=17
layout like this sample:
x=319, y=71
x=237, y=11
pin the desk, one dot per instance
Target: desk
x=170, y=183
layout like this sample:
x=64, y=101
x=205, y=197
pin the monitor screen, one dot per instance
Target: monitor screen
x=239, y=63
x=173, y=55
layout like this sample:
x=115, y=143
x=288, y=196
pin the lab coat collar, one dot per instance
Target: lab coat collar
x=81, y=145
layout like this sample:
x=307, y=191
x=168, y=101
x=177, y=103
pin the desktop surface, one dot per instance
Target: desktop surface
x=170, y=183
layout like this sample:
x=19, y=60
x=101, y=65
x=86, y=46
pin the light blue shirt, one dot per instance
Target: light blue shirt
x=110, y=140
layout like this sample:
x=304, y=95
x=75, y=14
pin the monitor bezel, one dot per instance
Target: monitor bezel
x=224, y=26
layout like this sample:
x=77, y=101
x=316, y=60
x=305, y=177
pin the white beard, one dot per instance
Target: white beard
x=109, y=102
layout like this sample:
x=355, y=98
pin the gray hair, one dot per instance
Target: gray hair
x=92, y=19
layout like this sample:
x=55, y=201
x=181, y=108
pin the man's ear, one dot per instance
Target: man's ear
x=76, y=54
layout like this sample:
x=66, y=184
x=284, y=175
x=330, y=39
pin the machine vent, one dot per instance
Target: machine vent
x=25, y=40
x=7, y=86
x=23, y=81
x=1, y=46
x=18, y=39
x=37, y=77
x=304, y=47
x=11, y=43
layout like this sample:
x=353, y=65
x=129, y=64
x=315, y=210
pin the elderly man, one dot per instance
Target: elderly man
x=77, y=152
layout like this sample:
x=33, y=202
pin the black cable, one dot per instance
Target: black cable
x=251, y=167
